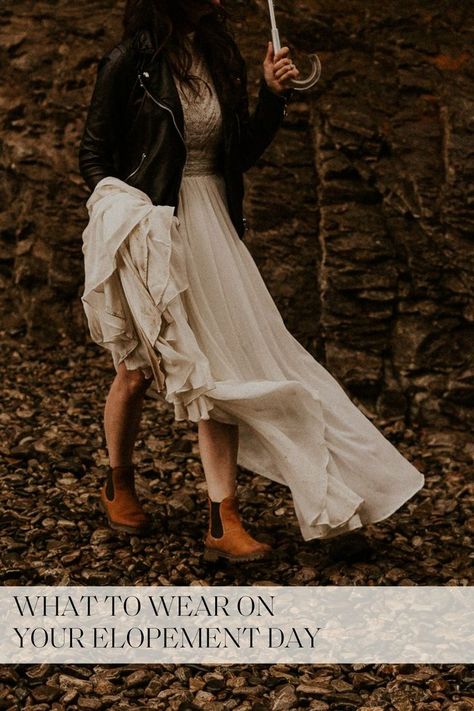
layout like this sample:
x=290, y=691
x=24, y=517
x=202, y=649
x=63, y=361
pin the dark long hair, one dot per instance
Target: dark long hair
x=165, y=21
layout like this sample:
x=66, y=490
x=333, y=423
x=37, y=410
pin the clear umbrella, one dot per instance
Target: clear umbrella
x=313, y=77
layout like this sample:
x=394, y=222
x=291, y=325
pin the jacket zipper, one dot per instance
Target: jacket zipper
x=138, y=167
x=163, y=106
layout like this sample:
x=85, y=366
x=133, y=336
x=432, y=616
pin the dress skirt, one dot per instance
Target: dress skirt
x=227, y=354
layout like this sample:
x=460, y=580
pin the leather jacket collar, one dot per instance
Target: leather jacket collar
x=142, y=43
x=156, y=78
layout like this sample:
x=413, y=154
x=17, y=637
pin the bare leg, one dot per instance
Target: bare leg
x=122, y=414
x=218, y=446
x=226, y=536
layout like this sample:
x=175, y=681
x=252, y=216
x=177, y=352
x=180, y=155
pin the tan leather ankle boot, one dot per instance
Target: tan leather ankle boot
x=227, y=538
x=120, y=503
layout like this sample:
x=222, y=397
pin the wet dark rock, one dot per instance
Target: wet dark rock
x=67, y=683
x=45, y=693
x=23, y=451
x=69, y=697
x=73, y=466
x=260, y=706
x=138, y=678
x=214, y=682
x=285, y=698
x=89, y=703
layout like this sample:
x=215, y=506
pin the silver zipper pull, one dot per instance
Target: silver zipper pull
x=140, y=75
x=138, y=167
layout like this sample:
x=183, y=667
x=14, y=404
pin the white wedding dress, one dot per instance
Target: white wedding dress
x=224, y=352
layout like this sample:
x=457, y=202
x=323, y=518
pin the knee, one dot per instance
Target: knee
x=132, y=383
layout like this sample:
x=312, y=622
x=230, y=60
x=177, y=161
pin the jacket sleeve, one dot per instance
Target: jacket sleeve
x=258, y=129
x=100, y=139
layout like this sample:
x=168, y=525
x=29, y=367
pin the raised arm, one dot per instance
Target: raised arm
x=258, y=129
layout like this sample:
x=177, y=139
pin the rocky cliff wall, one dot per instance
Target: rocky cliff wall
x=360, y=211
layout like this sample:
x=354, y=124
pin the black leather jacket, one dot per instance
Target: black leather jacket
x=135, y=127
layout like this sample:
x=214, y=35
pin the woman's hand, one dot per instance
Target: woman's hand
x=278, y=69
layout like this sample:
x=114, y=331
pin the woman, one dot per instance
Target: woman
x=169, y=117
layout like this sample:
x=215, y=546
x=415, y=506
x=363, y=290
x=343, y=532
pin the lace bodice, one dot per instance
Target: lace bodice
x=202, y=119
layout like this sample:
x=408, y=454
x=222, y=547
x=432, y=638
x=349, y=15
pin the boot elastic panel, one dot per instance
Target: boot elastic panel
x=109, y=486
x=217, y=529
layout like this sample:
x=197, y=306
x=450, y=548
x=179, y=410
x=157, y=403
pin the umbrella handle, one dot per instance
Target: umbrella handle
x=315, y=73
